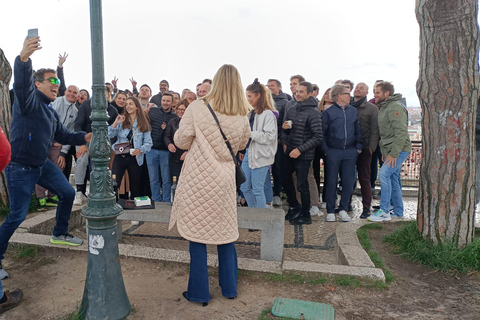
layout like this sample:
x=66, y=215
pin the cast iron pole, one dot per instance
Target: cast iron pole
x=104, y=296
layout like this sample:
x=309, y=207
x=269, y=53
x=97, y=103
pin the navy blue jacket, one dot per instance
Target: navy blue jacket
x=341, y=129
x=35, y=125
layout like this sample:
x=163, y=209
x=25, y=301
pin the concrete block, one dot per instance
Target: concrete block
x=270, y=222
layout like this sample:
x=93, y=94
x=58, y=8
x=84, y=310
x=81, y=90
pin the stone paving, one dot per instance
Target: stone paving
x=307, y=243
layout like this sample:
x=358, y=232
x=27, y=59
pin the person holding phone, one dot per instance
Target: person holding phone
x=35, y=125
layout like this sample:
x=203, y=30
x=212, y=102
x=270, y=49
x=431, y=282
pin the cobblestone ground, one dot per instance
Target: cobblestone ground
x=309, y=243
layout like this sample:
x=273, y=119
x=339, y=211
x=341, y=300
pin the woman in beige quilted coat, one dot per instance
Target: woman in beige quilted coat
x=205, y=208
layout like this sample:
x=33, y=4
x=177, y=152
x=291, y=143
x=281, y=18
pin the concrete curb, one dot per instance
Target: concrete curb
x=351, y=252
x=335, y=270
x=355, y=261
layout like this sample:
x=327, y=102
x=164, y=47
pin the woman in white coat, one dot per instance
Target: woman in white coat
x=261, y=149
x=205, y=206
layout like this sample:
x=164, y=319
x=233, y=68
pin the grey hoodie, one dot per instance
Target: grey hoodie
x=68, y=114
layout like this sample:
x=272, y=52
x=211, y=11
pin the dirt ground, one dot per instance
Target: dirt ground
x=53, y=285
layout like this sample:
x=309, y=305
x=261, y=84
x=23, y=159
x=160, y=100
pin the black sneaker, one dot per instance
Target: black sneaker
x=293, y=212
x=365, y=213
x=301, y=220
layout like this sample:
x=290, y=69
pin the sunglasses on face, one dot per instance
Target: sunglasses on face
x=53, y=80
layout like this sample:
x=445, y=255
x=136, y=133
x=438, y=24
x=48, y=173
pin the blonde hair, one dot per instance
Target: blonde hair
x=227, y=92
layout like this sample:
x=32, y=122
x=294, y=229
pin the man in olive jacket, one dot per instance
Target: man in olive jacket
x=368, y=120
x=395, y=146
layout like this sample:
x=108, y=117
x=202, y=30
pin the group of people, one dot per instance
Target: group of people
x=349, y=134
x=193, y=135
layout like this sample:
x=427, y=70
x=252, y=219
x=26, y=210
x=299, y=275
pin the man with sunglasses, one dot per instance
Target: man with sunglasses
x=35, y=125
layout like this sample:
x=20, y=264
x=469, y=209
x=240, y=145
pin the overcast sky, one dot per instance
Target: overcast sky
x=186, y=41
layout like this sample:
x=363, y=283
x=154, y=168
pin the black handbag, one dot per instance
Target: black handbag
x=124, y=147
x=239, y=174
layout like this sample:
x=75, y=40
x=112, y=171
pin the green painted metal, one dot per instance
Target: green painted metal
x=104, y=296
x=299, y=309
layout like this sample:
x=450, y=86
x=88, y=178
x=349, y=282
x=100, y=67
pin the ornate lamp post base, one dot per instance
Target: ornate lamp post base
x=104, y=296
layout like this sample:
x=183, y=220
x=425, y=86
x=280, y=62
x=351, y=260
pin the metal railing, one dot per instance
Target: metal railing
x=410, y=173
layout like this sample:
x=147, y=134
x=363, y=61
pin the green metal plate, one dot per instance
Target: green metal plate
x=299, y=309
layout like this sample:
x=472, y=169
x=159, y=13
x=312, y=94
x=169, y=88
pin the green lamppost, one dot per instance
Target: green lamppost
x=104, y=296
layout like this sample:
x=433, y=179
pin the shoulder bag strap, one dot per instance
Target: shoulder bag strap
x=223, y=135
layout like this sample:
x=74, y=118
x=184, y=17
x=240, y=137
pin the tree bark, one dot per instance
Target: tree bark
x=448, y=91
x=5, y=115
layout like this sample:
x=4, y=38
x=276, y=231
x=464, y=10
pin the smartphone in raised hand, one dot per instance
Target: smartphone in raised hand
x=32, y=33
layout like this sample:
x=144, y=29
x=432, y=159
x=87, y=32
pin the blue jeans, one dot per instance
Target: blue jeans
x=253, y=188
x=158, y=164
x=390, y=185
x=21, y=180
x=198, y=289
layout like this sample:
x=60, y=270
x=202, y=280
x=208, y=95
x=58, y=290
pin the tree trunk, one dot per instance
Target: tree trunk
x=448, y=91
x=5, y=115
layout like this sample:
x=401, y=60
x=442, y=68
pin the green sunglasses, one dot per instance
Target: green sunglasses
x=52, y=80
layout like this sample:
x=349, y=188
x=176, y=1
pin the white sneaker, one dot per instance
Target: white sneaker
x=331, y=217
x=344, y=216
x=323, y=205
x=135, y=223
x=269, y=206
x=277, y=201
x=314, y=211
x=79, y=199
x=380, y=216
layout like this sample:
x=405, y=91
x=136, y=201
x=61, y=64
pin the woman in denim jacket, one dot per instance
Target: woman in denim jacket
x=132, y=126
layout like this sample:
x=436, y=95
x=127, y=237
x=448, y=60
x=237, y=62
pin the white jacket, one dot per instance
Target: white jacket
x=263, y=146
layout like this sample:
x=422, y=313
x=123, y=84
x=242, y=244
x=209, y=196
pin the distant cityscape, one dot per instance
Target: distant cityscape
x=414, y=123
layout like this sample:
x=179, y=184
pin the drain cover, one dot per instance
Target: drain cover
x=299, y=309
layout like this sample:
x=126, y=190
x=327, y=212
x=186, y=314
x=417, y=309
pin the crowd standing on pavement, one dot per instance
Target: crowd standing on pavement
x=276, y=136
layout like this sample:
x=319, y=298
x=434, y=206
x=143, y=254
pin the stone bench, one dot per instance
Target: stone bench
x=271, y=222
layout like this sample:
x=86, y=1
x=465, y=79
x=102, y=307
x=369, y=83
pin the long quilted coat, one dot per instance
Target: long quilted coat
x=205, y=206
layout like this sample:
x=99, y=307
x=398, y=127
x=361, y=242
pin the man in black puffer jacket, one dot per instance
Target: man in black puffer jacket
x=302, y=133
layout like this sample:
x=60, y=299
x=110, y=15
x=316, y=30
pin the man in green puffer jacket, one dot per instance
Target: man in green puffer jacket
x=395, y=146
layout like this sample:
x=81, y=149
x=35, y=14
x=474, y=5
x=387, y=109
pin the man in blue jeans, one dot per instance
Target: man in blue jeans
x=159, y=156
x=395, y=146
x=35, y=125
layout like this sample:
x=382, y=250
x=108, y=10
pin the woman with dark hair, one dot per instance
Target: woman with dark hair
x=262, y=146
x=205, y=208
x=177, y=155
x=133, y=127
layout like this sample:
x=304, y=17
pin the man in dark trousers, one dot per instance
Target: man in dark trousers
x=35, y=125
x=302, y=131
x=342, y=143
x=277, y=168
x=368, y=121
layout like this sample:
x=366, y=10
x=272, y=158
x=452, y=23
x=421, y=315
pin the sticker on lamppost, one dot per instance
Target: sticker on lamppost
x=94, y=243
